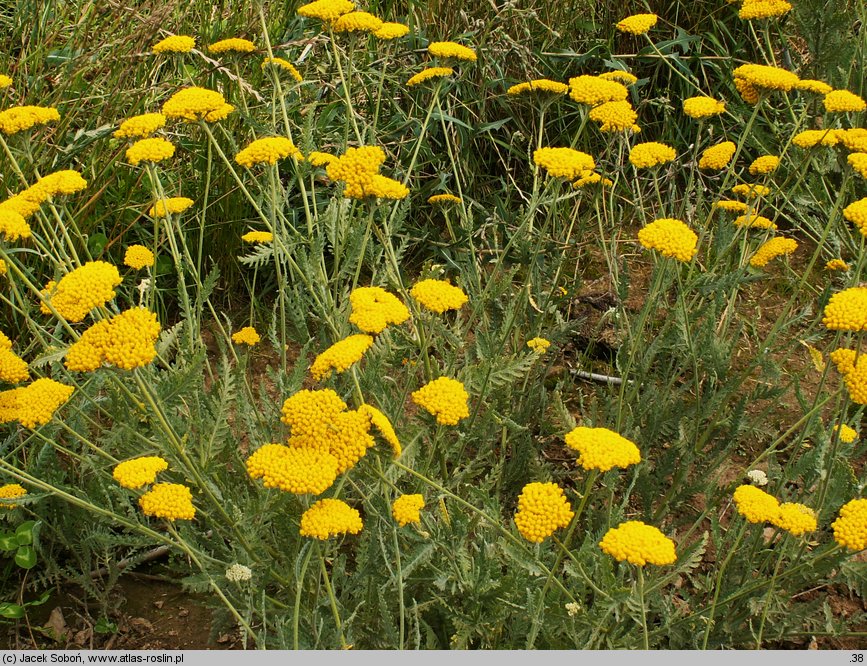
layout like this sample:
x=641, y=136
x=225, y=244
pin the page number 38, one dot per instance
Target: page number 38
x=857, y=658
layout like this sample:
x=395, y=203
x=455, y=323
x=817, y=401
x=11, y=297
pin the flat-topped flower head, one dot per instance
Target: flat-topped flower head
x=756, y=505
x=858, y=162
x=5, y=81
x=311, y=413
x=451, y=50
x=602, y=449
x=374, y=308
x=138, y=472
x=796, y=519
x=539, y=345
x=854, y=138
x=267, y=151
x=615, y=117
x=538, y=86
x=856, y=213
x=730, y=206
x=814, y=86
x=11, y=491
x=762, y=9
x=170, y=206
x=357, y=22
x=847, y=310
x=389, y=31
x=33, y=405
x=843, y=101
x=346, y=436
x=438, y=295
x=406, y=509
x=717, y=157
x=853, y=367
x=149, y=150
x=193, y=104
x=837, y=265
x=383, y=425
x=445, y=398
x=258, y=237
x=813, y=138
x=19, y=118
x=650, y=154
x=330, y=518
x=319, y=159
x=297, y=470
x=766, y=77
x=850, y=528
x=639, y=544
x=594, y=90
x=326, y=10
x=764, y=165
x=82, y=289
x=232, y=45
x=620, y=76
x=592, y=178
x=751, y=190
x=671, y=238
x=771, y=249
x=340, y=356
x=358, y=168
x=140, y=126
x=170, y=501
x=563, y=162
x=428, y=74
x=637, y=24
x=246, y=336
x=126, y=341
x=175, y=44
x=13, y=368
x=13, y=225
x=847, y=435
x=754, y=221
x=138, y=257
x=64, y=182
x=440, y=199
x=281, y=64
x=703, y=107
x=542, y=510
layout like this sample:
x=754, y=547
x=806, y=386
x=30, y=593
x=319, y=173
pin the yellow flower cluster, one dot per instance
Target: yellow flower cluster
x=750, y=191
x=602, y=449
x=374, y=308
x=593, y=90
x=771, y=249
x=126, y=341
x=671, y=238
x=542, y=510
x=340, y=356
x=445, y=398
x=854, y=373
x=650, y=154
x=717, y=157
x=855, y=139
x=258, y=237
x=755, y=504
x=539, y=345
x=563, y=162
x=5, y=81
x=731, y=206
x=11, y=491
x=847, y=434
x=813, y=138
x=358, y=168
x=429, y=73
x=407, y=509
x=326, y=10
x=138, y=257
x=171, y=501
x=20, y=118
x=795, y=518
x=33, y=405
x=444, y=199
x=837, y=265
x=150, y=150
x=637, y=24
x=639, y=544
x=615, y=117
x=282, y=63
x=843, y=101
x=268, y=151
x=391, y=30
x=140, y=126
x=761, y=9
x=357, y=22
x=767, y=77
x=451, y=50
x=195, y=104
x=703, y=107
x=847, y=310
x=381, y=422
x=764, y=165
x=310, y=412
x=858, y=161
x=856, y=213
x=539, y=85
x=814, y=86
x=13, y=226
x=170, y=206
x=328, y=518
x=299, y=470
x=318, y=159
x=438, y=295
x=175, y=44
x=139, y=472
x=592, y=178
x=235, y=44
x=850, y=528
x=13, y=369
x=620, y=76
x=81, y=290
x=246, y=336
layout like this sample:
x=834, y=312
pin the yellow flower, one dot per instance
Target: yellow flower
x=11, y=491
x=384, y=187
x=771, y=249
x=357, y=22
x=620, y=76
x=842, y=101
x=328, y=518
x=171, y=501
x=193, y=104
x=326, y=10
x=451, y=50
x=813, y=86
x=847, y=310
x=140, y=126
x=149, y=150
x=812, y=138
x=3, y=267
x=671, y=238
x=346, y=436
x=717, y=157
x=764, y=165
x=563, y=162
x=83, y=289
x=373, y=308
x=282, y=63
x=767, y=77
x=443, y=199
x=5, y=81
x=637, y=24
x=445, y=398
x=219, y=113
x=754, y=221
x=406, y=509
x=33, y=405
x=539, y=345
x=383, y=425
x=856, y=213
x=340, y=356
x=858, y=161
x=847, y=434
x=854, y=373
x=170, y=206
x=311, y=412
x=855, y=139
x=650, y=154
x=760, y=9
x=268, y=151
x=19, y=118
x=232, y=44
x=13, y=369
x=318, y=159
x=748, y=92
x=751, y=191
x=438, y=295
x=390, y=31
x=542, y=510
x=429, y=73
x=593, y=90
x=138, y=257
x=592, y=178
x=175, y=44
x=837, y=265
x=756, y=505
x=246, y=336
x=850, y=528
x=639, y=544
x=539, y=85
x=138, y=472
x=703, y=107
x=359, y=169
x=615, y=117
x=258, y=237
x=298, y=470
x=602, y=449
x=126, y=341
x=12, y=225
x=731, y=206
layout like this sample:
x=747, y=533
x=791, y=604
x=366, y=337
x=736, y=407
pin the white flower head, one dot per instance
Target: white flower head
x=572, y=608
x=238, y=572
x=757, y=477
